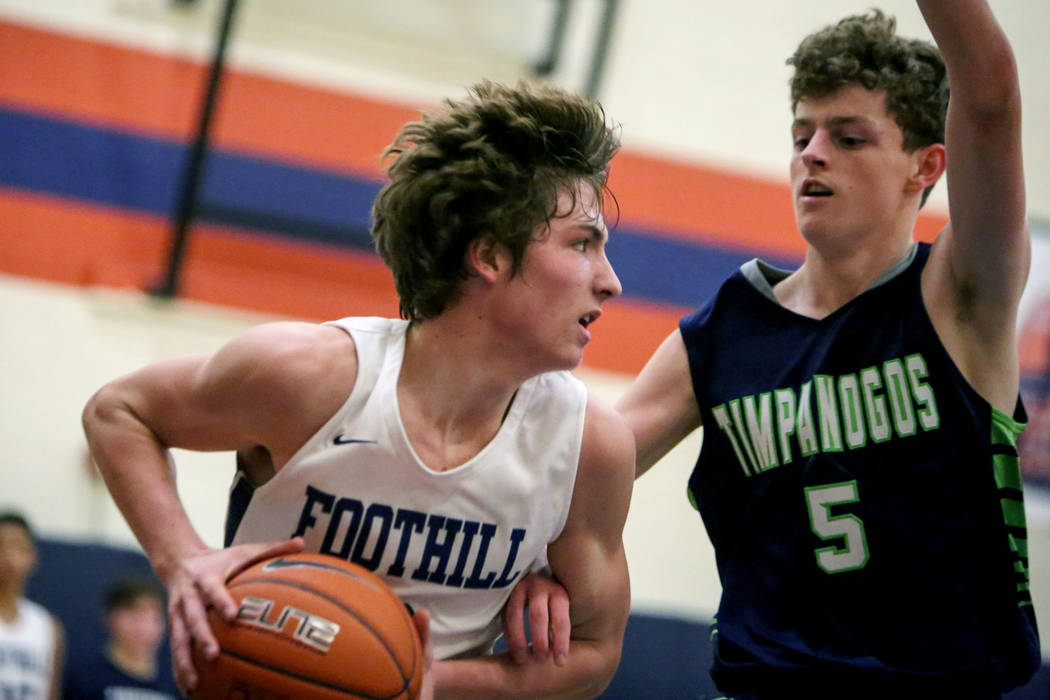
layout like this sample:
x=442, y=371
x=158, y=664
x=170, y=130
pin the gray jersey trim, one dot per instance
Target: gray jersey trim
x=763, y=276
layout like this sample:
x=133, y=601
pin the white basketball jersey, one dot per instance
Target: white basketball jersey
x=453, y=542
x=27, y=653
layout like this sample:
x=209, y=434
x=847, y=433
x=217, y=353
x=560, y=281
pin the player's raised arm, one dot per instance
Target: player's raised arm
x=659, y=406
x=979, y=265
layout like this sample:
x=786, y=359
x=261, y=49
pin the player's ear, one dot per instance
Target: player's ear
x=929, y=163
x=486, y=258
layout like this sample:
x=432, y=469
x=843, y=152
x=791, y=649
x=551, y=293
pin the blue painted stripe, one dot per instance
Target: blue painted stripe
x=674, y=271
x=70, y=160
x=142, y=173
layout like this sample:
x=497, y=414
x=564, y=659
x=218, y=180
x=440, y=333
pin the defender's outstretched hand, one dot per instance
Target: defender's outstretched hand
x=421, y=619
x=548, y=623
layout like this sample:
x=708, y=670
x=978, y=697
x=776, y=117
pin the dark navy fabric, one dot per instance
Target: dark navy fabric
x=97, y=678
x=868, y=536
x=664, y=657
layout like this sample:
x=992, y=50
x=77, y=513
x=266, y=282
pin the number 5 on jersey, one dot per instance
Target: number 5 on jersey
x=849, y=549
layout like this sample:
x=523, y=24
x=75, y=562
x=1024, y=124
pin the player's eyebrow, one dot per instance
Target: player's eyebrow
x=598, y=233
x=843, y=120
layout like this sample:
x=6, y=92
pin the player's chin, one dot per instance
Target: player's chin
x=572, y=360
x=563, y=361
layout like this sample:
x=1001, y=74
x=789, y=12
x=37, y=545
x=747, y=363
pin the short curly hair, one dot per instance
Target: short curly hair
x=865, y=50
x=122, y=593
x=490, y=165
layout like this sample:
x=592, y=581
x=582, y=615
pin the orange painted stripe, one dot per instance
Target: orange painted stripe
x=98, y=83
x=1034, y=342
x=275, y=276
x=84, y=245
x=67, y=241
x=696, y=203
x=143, y=92
x=148, y=93
x=713, y=207
x=628, y=333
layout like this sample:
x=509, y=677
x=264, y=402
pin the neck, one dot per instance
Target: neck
x=464, y=362
x=826, y=282
x=453, y=392
x=135, y=662
x=8, y=605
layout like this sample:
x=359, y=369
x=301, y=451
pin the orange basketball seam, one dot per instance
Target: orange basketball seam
x=338, y=603
x=315, y=681
x=285, y=563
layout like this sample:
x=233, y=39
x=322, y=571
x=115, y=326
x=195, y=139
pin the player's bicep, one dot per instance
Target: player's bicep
x=155, y=403
x=986, y=255
x=221, y=401
x=200, y=403
x=588, y=557
x=595, y=577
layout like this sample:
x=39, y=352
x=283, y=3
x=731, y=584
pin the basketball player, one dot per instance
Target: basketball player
x=32, y=642
x=858, y=475
x=445, y=451
x=127, y=665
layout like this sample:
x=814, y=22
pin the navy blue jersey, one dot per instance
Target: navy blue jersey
x=864, y=502
x=98, y=678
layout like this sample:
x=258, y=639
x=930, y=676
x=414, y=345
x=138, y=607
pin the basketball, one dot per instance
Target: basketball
x=312, y=626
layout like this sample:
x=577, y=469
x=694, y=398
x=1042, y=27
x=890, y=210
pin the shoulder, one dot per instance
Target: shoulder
x=604, y=476
x=39, y=614
x=287, y=352
x=556, y=397
x=607, y=451
x=285, y=379
x=745, y=285
x=290, y=340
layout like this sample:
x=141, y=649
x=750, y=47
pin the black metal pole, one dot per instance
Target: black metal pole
x=601, y=47
x=191, y=176
x=547, y=64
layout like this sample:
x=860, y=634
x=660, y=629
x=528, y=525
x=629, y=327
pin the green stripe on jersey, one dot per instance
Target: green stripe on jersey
x=1005, y=433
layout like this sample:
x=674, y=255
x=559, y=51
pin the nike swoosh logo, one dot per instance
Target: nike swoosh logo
x=340, y=440
x=282, y=563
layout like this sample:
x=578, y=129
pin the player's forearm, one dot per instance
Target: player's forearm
x=980, y=63
x=586, y=672
x=141, y=480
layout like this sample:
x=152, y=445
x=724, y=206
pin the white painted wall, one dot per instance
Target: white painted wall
x=58, y=344
x=699, y=80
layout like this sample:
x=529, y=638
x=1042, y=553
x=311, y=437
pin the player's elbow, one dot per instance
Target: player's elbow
x=998, y=95
x=602, y=653
x=93, y=411
x=606, y=662
x=106, y=407
x=99, y=409
x=612, y=662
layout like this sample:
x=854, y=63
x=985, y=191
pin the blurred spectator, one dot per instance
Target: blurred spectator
x=31, y=638
x=1034, y=445
x=128, y=666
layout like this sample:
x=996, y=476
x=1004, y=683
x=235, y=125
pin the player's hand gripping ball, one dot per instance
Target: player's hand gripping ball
x=312, y=626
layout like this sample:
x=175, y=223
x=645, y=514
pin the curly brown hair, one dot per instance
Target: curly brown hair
x=865, y=50
x=491, y=164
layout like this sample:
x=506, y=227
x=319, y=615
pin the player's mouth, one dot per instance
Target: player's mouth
x=588, y=319
x=814, y=188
